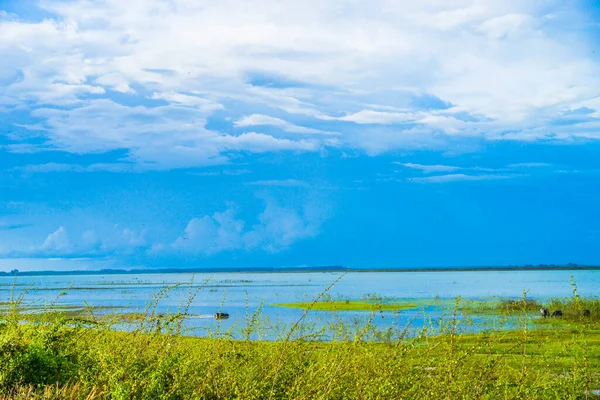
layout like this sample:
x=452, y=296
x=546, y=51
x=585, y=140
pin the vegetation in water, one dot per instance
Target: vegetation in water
x=348, y=305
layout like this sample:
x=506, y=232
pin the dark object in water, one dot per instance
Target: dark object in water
x=556, y=313
x=221, y=315
x=586, y=313
x=544, y=312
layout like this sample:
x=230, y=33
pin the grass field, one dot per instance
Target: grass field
x=54, y=355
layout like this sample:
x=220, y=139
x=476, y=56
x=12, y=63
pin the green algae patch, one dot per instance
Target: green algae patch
x=348, y=305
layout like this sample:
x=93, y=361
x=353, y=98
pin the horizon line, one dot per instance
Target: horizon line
x=324, y=269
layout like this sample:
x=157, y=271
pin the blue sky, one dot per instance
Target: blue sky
x=366, y=134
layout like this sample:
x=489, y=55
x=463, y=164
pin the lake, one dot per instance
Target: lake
x=241, y=294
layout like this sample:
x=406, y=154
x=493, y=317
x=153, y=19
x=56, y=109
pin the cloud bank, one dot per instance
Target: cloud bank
x=162, y=80
x=273, y=230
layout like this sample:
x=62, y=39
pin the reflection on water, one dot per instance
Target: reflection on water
x=242, y=294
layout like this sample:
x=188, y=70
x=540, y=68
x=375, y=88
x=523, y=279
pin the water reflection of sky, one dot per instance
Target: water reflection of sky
x=241, y=294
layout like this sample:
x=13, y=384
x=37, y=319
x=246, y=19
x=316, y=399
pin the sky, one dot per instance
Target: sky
x=368, y=134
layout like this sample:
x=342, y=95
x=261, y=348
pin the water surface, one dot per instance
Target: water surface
x=241, y=294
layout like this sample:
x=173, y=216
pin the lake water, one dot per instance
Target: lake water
x=241, y=294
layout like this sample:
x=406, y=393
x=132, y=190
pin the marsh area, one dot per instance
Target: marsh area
x=386, y=300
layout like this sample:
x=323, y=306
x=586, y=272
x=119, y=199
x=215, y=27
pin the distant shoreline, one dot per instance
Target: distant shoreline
x=325, y=269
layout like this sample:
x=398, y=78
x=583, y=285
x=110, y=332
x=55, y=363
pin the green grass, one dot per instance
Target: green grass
x=348, y=305
x=61, y=360
x=54, y=356
x=495, y=306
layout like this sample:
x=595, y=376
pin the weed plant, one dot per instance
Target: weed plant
x=55, y=355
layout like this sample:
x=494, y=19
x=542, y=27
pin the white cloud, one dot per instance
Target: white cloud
x=186, y=100
x=259, y=119
x=90, y=239
x=90, y=243
x=425, y=168
x=212, y=234
x=58, y=241
x=133, y=239
x=378, y=117
x=429, y=168
x=503, y=63
x=112, y=241
x=529, y=165
x=509, y=24
x=260, y=142
x=277, y=228
x=158, y=137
